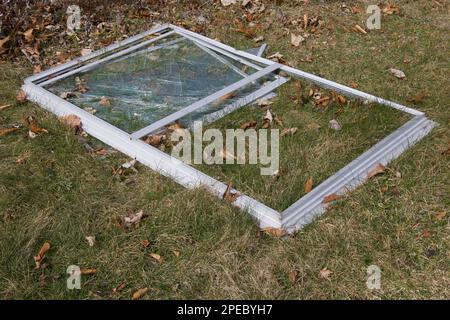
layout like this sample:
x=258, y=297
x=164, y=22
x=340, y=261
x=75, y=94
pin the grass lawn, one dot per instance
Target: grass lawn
x=52, y=188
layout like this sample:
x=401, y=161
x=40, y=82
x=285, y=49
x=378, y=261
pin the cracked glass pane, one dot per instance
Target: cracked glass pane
x=135, y=90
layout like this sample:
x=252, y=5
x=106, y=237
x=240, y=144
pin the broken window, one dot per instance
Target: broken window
x=139, y=86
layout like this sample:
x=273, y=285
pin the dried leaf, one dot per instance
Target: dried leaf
x=41, y=254
x=249, y=125
x=35, y=128
x=88, y=272
x=90, y=240
x=359, y=29
x=104, y=101
x=37, y=68
x=293, y=277
x=379, y=169
x=274, y=232
x=119, y=287
x=287, y=131
x=390, y=9
x=313, y=126
x=331, y=198
x=397, y=73
x=440, y=215
x=28, y=35
x=155, y=139
x=175, y=126
x=132, y=219
x=4, y=107
x=145, y=243
x=73, y=121
x=426, y=233
x=341, y=99
x=176, y=253
x=2, y=42
x=308, y=185
x=418, y=98
x=229, y=195
x=355, y=9
x=139, y=294
x=21, y=96
x=156, y=257
x=325, y=273
x=4, y=132
x=296, y=40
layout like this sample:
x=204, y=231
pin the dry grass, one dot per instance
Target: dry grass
x=61, y=193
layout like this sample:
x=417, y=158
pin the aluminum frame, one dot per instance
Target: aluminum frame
x=300, y=213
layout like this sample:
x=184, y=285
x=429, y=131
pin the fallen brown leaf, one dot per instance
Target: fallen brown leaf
x=140, y=293
x=426, y=233
x=440, y=215
x=418, y=98
x=359, y=29
x=4, y=132
x=2, y=43
x=35, y=128
x=145, y=243
x=379, y=169
x=296, y=40
x=397, y=73
x=390, y=9
x=21, y=96
x=88, y=272
x=176, y=253
x=155, y=139
x=331, y=198
x=28, y=35
x=287, y=131
x=249, y=125
x=325, y=273
x=341, y=99
x=37, y=68
x=6, y=106
x=73, y=121
x=274, y=232
x=156, y=257
x=132, y=219
x=293, y=277
x=119, y=287
x=228, y=195
x=309, y=185
x=41, y=254
x=174, y=126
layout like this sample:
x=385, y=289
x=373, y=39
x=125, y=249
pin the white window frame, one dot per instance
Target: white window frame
x=300, y=213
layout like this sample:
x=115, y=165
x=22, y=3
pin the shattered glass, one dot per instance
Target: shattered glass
x=137, y=89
